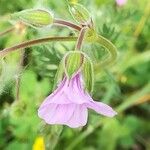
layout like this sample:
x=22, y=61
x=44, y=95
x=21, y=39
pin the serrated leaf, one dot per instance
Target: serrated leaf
x=45, y=57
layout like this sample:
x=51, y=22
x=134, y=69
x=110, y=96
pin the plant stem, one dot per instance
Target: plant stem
x=5, y=18
x=143, y=20
x=111, y=49
x=7, y=31
x=34, y=42
x=80, y=38
x=18, y=79
x=67, y=24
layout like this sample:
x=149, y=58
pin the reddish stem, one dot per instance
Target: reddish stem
x=67, y=24
x=34, y=42
x=80, y=38
x=7, y=31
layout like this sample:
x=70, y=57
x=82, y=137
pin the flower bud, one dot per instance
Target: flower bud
x=34, y=17
x=79, y=13
x=73, y=62
x=88, y=75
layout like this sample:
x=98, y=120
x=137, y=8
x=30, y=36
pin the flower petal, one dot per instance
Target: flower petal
x=69, y=91
x=79, y=117
x=55, y=113
x=69, y=114
x=75, y=92
x=58, y=96
x=101, y=108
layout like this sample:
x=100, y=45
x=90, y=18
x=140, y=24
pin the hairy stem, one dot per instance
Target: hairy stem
x=18, y=78
x=4, y=18
x=34, y=42
x=67, y=24
x=7, y=31
x=81, y=38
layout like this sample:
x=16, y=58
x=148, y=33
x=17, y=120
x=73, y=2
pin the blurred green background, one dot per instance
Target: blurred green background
x=125, y=85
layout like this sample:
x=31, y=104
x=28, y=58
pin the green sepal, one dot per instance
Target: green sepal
x=34, y=17
x=88, y=75
x=59, y=75
x=79, y=13
x=73, y=62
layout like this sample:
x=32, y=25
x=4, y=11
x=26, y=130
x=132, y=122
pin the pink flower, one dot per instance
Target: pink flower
x=69, y=103
x=121, y=2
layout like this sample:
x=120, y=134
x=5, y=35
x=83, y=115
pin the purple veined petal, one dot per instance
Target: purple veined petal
x=58, y=96
x=101, y=108
x=69, y=91
x=47, y=111
x=74, y=91
x=57, y=91
x=68, y=104
x=61, y=87
x=79, y=117
x=71, y=115
x=55, y=113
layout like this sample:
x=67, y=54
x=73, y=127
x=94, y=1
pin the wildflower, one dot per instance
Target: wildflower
x=38, y=144
x=121, y=2
x=69, y=103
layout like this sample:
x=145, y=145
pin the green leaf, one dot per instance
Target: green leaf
x=88, y=74
x=34, y=17
x=73, y=62
x=79, y=13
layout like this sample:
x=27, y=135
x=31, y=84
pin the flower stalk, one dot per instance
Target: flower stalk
x=30, y=43
x=66, y=23
x=18, y=77
x=7, y=31
x=110, y=47
x=80, y=38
